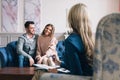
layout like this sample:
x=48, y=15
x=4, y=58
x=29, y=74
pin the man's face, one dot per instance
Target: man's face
x=31, y=29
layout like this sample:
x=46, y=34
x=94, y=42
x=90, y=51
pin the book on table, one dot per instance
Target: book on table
x=46, y=67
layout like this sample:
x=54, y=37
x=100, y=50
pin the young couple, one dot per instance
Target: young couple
x=32, y=48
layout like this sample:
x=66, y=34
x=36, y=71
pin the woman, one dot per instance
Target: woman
x=46, y=46
x=79, y=46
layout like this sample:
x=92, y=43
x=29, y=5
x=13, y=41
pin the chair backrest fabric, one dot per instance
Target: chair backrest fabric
x=107, y=48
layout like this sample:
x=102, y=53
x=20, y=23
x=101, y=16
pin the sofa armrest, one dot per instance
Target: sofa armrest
x=3, y=57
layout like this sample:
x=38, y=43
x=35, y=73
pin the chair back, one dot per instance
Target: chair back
x=107, y=48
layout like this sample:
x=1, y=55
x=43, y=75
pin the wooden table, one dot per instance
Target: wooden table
x=16, y=73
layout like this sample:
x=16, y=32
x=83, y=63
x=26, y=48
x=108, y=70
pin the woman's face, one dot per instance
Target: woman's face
x=48, y=31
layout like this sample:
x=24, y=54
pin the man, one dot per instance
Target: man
x=26, y=46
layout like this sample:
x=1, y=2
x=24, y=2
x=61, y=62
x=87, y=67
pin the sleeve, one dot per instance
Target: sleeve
x=38, y=52
x=20, y=45
x=70, y=59
x=52, y=47
x=53, y=43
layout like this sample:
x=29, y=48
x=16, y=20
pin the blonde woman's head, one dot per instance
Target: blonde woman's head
x=78, y=18
x=78, y=21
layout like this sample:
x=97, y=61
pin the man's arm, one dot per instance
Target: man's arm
x=20, y=50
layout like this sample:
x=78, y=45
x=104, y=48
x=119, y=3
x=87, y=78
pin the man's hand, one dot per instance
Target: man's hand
x=31, y=61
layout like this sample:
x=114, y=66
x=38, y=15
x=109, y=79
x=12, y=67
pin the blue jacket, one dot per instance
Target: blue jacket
x=74, y=58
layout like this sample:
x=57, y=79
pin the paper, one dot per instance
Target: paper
x=46, y=67
x=43, y=66
x=63, y=70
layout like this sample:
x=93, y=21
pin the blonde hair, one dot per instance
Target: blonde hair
x=79, y=22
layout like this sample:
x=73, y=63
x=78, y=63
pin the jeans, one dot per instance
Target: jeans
x=23, y=61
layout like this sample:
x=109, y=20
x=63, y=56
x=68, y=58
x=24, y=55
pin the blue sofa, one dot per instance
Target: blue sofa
x=9, y=57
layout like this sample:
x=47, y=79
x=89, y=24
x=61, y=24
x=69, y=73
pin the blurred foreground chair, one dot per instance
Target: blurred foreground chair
x=51, y=76
x=107, y=48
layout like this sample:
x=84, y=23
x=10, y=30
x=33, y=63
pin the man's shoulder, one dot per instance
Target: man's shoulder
x=22, y=38
x=36, y=35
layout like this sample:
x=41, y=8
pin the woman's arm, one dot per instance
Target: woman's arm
x=52, y=47
x=38, y=52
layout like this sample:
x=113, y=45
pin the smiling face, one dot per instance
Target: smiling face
x=31, y=29
x=48, y=30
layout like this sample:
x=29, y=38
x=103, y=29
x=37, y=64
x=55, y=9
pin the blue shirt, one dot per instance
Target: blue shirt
x=74, y=57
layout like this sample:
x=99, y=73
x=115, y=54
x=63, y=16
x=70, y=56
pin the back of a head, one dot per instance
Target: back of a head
x=77, y=17
x=79, y=22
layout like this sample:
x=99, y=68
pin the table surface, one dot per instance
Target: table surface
x=16, y=73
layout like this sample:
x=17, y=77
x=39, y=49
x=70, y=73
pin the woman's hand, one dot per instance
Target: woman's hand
x=56, y=61
x=54, y=70
x=40, y=61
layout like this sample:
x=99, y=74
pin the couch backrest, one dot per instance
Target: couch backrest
x=6, y=38
x=12, y=55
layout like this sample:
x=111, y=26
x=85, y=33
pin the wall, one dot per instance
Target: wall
x=55, y=11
